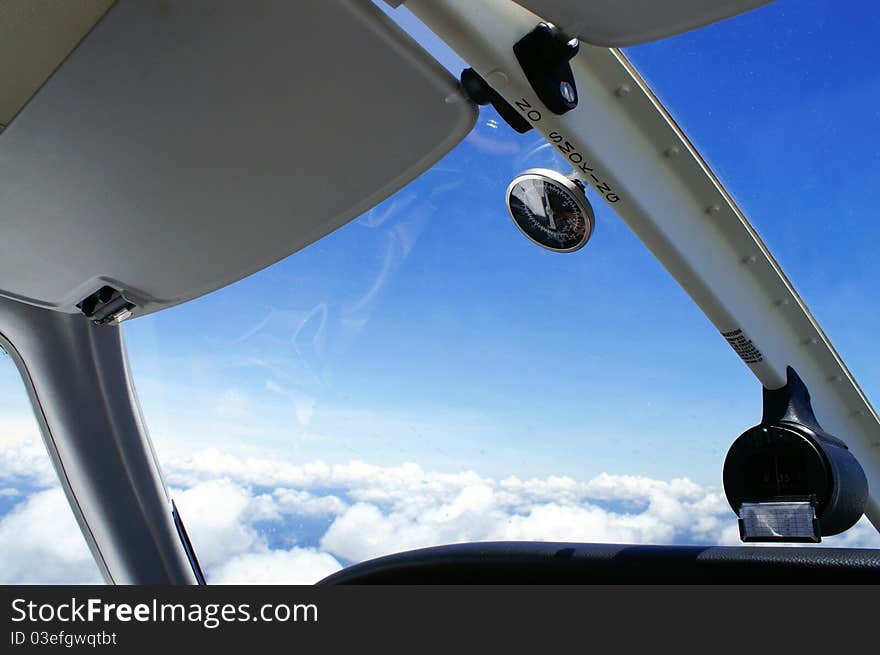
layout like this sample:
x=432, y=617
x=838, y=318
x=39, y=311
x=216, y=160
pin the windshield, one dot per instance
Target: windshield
x=40, y=540
x=428, y=375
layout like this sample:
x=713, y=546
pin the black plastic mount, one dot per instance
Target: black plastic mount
x=792, y=403
x=544, y=54
x=480, y=92
x=789, y=456
x=105, y=305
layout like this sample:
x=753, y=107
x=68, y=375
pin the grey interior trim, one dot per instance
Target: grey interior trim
x=35, y=37
x=618, y=23
x=78, y=381
x=186, y=144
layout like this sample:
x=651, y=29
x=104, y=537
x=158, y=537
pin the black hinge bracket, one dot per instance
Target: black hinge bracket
x=107, y=305
x=478, y=90
x=544, y=54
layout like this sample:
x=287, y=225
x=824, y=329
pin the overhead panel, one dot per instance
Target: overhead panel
x=185, y=144
x=618, y=23
x=35, y=37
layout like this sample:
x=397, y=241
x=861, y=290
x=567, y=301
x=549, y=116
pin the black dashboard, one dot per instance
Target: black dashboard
x=577, y=563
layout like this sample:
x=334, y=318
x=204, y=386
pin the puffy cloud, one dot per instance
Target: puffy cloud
x=437, y=508
x=41, y=543
x=219, y=517
x=588, y=523
x=262, y=520
x=861, y=535
x=379, y=510
x=40, y=540
x=212, y=463
x=222, y=518
x=302, y=503
x=23, y=456
x=294, y=566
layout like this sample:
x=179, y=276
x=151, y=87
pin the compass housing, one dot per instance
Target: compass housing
x=550, y=209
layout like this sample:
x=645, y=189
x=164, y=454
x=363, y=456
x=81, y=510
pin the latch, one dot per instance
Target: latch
x=478, y=90
x=544, y=54
x=107, y=305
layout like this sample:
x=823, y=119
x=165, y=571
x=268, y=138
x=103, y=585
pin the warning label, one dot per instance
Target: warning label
x=743, y=346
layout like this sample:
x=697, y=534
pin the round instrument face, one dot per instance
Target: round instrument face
x=550, y=209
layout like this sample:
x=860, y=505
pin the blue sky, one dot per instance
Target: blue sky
x=429, y=331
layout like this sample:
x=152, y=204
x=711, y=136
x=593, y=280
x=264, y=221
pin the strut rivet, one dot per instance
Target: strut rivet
x=497, y=79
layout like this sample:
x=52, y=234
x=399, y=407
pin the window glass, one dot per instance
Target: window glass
x=40, y=542
x=782, y=102
x=427, y=375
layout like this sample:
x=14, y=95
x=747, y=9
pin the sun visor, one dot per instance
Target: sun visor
x=618, y=23
x=186, y=144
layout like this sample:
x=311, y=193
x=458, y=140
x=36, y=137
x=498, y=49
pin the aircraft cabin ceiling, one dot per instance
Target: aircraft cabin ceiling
x=185, y=144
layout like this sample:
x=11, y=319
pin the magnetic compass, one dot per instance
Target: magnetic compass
x=550, y=209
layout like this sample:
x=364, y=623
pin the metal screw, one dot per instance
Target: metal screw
x=567, y=91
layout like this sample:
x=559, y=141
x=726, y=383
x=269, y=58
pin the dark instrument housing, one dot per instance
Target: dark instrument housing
x=788, y=456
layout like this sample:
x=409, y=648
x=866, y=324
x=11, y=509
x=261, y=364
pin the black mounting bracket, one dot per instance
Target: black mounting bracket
x=480, y=92
x=792, y=404
x=544, y=54
x=779, y=472
x=107, y=305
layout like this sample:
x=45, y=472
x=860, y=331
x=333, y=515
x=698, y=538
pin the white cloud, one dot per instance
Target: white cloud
x=302, y=503
x=294, y=566
x=23, y=455
x=861, y=535
x=436, y=508
x=263, y=520
x=379, y=510
x=41, y=543
x=219, y=515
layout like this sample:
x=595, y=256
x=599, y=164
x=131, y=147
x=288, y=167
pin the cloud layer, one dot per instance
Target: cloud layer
x=260, y=520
